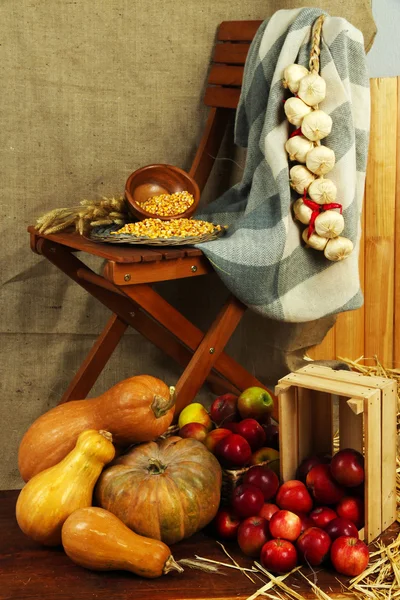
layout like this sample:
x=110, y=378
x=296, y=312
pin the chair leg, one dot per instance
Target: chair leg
x=208, y=352
x=96, y=360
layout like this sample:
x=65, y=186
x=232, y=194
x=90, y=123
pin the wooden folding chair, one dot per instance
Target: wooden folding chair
x=125, y=287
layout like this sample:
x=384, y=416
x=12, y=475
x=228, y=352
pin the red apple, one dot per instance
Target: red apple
x=272, y=435
x=285, y=524
x=293, y=495
x=233, y=451
x=306, y=522
x=278, y=556
x=352, y=509
x=197, y=431
x=349, y=556
x=347, y=467
x=252, y=535
x=264, y=479
x=313, y=546
x=233, y=427
x=322, y=486
x=255, y=403
x=322, y=515
x=268, y=510
x=264, y=455
x=247, y=500
x=341, y=527
x=307, y=464
x=226, y=524
x=215, y=436
x=224, y=409
x=252, y=431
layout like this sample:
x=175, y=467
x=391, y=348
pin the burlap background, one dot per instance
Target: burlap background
x=90, y=92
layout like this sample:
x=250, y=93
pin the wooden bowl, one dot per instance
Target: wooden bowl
x=159, y=179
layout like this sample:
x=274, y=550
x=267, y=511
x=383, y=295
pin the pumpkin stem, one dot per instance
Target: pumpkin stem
x=156, y=467
x=106, y=434
x=172, y=565
x=160, y=406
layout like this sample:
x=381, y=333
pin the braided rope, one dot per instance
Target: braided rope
x=316, y=50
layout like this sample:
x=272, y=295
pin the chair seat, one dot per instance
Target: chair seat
x=119, y=253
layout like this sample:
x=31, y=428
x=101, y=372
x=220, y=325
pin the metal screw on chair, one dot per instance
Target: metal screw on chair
x=212, y=350
x=193, y=268
x=127, y=277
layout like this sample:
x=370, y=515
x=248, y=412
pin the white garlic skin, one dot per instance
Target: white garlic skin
x=312, y=89
x=296, y=110
x=329, y=224
x=297, y=147
x=292, y=75
x=338, y=248
x=300, y=178
x=320, y=160
x=316, y=125
x=314, y=241
x=303, y=213
x=322, y=191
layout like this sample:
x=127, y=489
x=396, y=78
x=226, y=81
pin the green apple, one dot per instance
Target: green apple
x=264, y=455
x=255, y=403
x=195, y=413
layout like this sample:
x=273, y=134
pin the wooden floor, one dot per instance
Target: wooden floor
x=29, y=571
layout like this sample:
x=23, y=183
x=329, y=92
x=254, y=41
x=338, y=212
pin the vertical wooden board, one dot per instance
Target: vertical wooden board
x=389, y=448
x=288, y=433
x=350, y=325
x=373, y=463
x=305, y=427
x=380, y=222
x=396, y=340
x=350, y=427
x=326, y=349
x=322, y=426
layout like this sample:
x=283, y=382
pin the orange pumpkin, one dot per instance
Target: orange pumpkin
x=164, y=490
x=135, y=410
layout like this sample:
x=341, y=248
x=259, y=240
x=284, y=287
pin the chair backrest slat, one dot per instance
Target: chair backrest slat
x=237, y=31
x=230, y=53
x=222, y=97
x=226, y=75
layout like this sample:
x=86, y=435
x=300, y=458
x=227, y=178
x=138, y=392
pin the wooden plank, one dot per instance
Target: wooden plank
x=373, y=466
x=208, y=352
x=288, y=433
x=96, y=360
x=231, y=54
x=380, y=222
x=222, y=97
x=329, y=386
x=322, y=422
x=125, y=275
x=238, y=31
x=226, y=75
x=350, y=427
x=389, y=448
x=350, y=325
x=396, y=340
x=352, y=377
x=305, y=407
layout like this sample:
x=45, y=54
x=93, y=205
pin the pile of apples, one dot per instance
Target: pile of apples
x=307, y=520
x=237, y=430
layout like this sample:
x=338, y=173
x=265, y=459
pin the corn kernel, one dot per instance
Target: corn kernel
x=156, y=228
x=168, y=205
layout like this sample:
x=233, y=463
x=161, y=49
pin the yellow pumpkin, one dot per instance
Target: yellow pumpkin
x=51, y=496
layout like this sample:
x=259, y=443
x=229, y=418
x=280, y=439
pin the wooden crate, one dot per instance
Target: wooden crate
x=365, y=410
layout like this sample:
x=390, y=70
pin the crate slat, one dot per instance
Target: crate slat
x=322, y=422
x=389, y=448
x=350, y=427
x=373, y=466
x=288, y=434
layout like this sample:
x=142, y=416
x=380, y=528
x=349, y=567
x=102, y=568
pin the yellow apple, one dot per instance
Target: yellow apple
x=195, y=413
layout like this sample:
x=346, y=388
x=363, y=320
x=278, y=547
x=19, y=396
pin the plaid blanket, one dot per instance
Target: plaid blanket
x=262, y=259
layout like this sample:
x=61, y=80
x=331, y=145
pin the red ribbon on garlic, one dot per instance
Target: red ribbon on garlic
x=317, y=209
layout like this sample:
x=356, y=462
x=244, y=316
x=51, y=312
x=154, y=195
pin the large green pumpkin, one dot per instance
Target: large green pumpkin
x=165, y=490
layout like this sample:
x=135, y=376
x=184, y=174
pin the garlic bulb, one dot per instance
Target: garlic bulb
x=314, y=241
x=297, y=148
x=300, y=178
x=312, y=89
x=296, y=110
x=303, y=213
x=338, y=249
x=329, y=224
x=322, y=191
x=292, y=75
x=316, y=125
x=320, y=160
